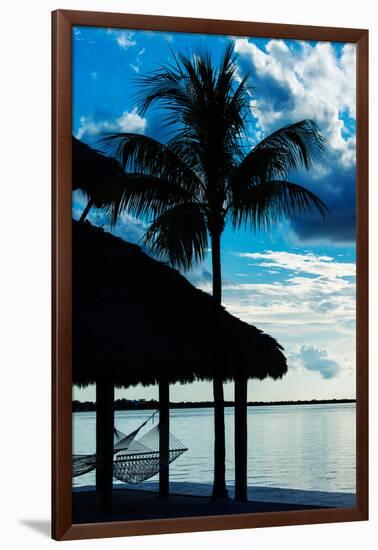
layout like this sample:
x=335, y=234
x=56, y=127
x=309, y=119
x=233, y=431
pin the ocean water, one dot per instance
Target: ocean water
x=309, y=447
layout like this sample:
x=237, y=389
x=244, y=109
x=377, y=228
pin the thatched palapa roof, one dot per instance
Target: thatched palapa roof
x=91, y=171
x=137, y=320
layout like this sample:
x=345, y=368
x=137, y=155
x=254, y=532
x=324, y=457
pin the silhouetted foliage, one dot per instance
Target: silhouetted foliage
x=202, y=177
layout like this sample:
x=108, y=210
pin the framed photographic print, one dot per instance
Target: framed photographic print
x=210, y=241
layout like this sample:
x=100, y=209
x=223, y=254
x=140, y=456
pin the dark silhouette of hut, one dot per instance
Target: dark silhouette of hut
x=93, y=173
x=138, y=321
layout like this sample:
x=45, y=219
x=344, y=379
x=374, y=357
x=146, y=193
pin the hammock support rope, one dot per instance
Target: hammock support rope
x=135, y=460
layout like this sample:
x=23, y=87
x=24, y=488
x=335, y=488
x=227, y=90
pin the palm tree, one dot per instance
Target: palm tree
x=202, y=178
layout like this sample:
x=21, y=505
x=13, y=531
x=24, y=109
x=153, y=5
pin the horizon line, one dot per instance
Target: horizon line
x=146, y=404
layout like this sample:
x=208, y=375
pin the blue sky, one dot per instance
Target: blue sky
x=296, y=282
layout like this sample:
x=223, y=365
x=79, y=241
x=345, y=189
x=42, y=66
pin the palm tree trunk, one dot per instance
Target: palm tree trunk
x=241, y=384
x=86, y=211
x=104, y=441
x=219, y=487
x=164, y=438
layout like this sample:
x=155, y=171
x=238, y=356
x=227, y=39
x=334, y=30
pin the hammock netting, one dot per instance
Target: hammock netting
x=135, y=460
x=142, y=460
x=83, y=464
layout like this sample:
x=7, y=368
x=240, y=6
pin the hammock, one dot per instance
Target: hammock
x=134, y=460
x=142, y=459
x=83, y=464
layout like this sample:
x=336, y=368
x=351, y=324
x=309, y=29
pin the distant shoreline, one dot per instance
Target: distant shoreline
x=126, y=405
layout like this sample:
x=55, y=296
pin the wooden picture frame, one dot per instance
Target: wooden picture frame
x=62, y=526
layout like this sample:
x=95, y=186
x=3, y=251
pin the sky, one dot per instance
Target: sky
x=296, y=282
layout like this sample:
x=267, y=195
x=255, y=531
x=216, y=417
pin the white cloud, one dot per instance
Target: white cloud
x=319, y=360
x=308, y=82
x=138, y=62
x=311, y=264
x=125, y=39
x=129, y=121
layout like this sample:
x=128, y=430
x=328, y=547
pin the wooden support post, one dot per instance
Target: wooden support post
x=241, y=490
x=164, y=438
x=104, y=441
x=219, y=487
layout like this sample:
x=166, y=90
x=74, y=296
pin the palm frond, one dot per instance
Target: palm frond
x=142, y=195
x=289, y=148
x=227, y=67
x=171, y=88
x=191, y=153
x=264, y=205
x=179, y=235
x=145, y=155
x=203, y=103
x=302, y=142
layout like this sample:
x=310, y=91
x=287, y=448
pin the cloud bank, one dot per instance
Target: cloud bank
x=297, y=80
x=308, y=290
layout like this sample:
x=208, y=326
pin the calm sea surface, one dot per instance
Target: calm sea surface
x=309, y=447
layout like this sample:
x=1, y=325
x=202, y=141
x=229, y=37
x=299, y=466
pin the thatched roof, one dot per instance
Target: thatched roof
x=137, y=320
x=91, y=170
